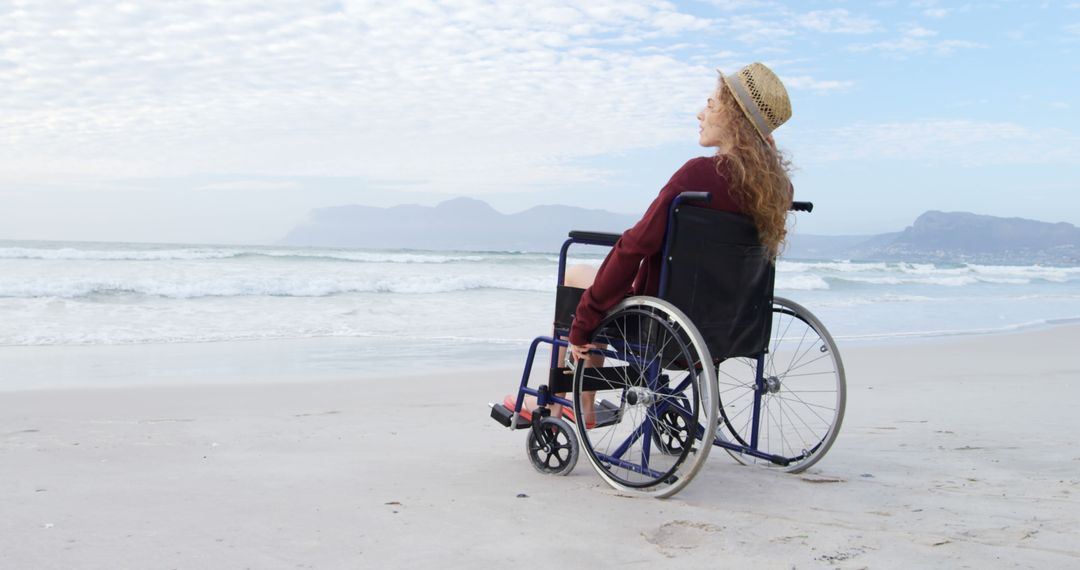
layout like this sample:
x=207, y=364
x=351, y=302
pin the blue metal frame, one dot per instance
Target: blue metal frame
x=559, y=340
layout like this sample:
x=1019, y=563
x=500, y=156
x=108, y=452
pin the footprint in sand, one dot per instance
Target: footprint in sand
x=842, y=555
x=813, y=479
x=11, y=433
x=674, y=536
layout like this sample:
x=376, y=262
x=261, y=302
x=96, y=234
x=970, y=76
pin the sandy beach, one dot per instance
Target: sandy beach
x=955, y=453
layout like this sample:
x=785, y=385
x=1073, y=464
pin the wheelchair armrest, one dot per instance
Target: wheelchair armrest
x=595, y=238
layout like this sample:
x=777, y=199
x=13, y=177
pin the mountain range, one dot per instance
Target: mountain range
x=458, y=224
x=469, y=224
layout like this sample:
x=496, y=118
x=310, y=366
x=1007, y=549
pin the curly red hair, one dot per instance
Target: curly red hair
x=759, y=173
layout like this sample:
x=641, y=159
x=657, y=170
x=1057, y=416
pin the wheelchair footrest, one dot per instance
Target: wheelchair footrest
x=606, y=414
x=504, y=416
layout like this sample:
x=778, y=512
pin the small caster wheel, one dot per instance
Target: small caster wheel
x=671, y=432
x=552, y=447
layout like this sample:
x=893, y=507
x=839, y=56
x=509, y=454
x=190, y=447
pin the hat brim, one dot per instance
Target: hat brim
x=746, y=112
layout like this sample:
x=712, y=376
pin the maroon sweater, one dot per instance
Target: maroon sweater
x=624, y=272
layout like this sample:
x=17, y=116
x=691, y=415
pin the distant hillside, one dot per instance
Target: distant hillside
x=809, y=246
x=458, y=224
x=963, y=236
x=468, y=224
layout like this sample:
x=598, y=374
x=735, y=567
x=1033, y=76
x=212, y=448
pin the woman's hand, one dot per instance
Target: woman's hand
x=580, y=352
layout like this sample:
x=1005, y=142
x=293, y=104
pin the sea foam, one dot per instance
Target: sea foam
x=133, y=293
x=271, y=286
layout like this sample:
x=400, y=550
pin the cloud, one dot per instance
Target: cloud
x=248, y=185
x=917, y=40
x=466, y=97
x=838, y=21
x=758, y=29
x=938, y=141
x=818, y=85
x=772, y=24
x=919, y=32
x=936, y=13
x=732, y=5
x=1073, y=28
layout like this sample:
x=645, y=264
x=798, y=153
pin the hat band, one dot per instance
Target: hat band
x=748, y=105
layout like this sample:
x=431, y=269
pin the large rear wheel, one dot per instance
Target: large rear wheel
x=802, y=393
x=659, y=372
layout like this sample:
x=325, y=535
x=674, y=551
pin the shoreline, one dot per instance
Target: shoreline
x=944, y=335
x=325, y=359
x=952, y=454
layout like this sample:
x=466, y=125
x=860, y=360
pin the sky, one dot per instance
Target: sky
x=227, y=121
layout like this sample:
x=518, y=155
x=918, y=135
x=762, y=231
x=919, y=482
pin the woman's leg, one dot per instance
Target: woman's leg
x=582, y=277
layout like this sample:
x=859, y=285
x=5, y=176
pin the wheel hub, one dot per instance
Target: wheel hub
x=638, y=395
x=772, y=384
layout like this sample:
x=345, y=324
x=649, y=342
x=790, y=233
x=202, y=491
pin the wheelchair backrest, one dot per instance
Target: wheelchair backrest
x=718, y=272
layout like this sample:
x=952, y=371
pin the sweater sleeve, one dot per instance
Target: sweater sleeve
x=616, y=275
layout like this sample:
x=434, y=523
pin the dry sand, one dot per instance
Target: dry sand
x=955, y=453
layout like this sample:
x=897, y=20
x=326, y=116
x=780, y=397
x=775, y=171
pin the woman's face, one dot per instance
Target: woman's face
x=712, y=123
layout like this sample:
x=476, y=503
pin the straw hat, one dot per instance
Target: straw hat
x=761, y=95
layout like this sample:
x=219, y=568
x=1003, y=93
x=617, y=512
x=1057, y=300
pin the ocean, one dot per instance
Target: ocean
x=431, y=307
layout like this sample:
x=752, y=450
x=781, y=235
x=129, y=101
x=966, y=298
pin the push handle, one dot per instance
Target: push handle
x=694, y=197
x=594, y=238
x=606, y=238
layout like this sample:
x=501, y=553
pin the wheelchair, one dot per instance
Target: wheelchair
x=715, y=360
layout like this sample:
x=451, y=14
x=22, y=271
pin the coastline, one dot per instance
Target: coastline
x=328, y=359
x=953, y=453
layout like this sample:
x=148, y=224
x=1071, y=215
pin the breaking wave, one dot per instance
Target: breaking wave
x=263, y=286
x=212, y=253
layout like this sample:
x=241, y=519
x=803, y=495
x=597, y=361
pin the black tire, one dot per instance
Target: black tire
x=552, y=447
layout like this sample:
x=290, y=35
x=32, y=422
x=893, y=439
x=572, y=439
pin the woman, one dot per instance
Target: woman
x=746, y=175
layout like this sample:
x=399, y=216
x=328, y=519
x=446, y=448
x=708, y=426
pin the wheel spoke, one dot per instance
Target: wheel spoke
x=652, y=447
x=788, y=413
x=802, y=408
x=815, y=359
x=805, y=403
